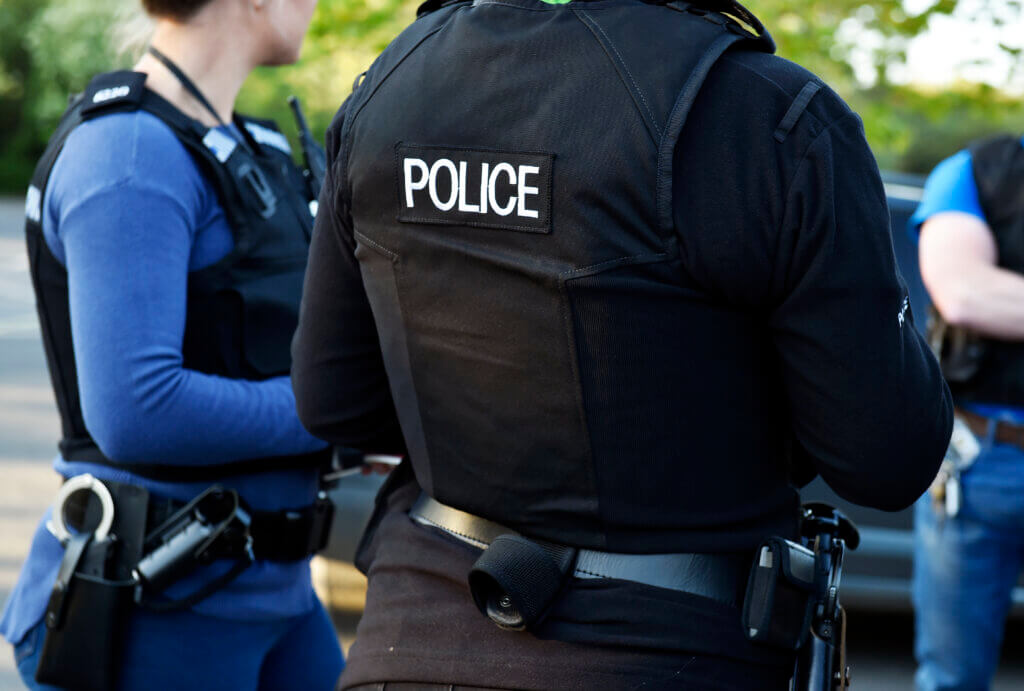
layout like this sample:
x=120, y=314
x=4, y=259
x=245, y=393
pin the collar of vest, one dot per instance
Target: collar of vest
x=730, y=14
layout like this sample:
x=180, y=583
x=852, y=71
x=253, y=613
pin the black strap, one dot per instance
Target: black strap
x=186, y=82
x=191, y=87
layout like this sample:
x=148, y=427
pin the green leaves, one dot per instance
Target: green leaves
x=50, y=48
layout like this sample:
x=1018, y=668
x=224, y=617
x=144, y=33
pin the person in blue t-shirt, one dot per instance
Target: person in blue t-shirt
x=168, y=238
x=969, y=547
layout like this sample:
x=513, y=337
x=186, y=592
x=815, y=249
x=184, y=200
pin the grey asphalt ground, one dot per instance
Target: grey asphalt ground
x=880, y=649
x=28, y=418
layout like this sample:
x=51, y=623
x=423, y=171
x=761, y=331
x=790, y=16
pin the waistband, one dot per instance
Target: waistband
x=715, y=576
x=1005, y=432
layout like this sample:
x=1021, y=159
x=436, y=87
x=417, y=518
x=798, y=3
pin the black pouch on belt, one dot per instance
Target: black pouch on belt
x=84, y=619
x=92, y=597
x=515, y=580
x=779, y=603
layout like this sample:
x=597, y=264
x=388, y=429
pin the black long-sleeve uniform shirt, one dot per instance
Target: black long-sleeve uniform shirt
x=787, y=223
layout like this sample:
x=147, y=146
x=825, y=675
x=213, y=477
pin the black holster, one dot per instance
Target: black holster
x=779, y=602
x=91, y=599
x=85, y=619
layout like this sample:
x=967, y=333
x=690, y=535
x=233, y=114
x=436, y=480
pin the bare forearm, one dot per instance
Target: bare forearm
x=959, y=265
x=989, y=300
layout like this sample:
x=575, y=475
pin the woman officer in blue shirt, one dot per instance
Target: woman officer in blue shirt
x=167, y=239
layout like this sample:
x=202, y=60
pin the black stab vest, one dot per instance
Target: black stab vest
x=998, y=166
x=537, y=326
x=241, y=311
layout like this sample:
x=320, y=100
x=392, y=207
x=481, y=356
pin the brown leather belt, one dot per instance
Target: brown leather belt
x=1006, y=432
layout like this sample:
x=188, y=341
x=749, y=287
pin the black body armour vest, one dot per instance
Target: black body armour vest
x=539, y=332
x=241, y=311
x=999, y=176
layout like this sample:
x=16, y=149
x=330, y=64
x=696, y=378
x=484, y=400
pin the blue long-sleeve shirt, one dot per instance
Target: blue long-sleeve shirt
x=129, y=214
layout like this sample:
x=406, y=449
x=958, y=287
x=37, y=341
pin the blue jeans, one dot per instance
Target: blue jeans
x=965, y=569
x=187, y=651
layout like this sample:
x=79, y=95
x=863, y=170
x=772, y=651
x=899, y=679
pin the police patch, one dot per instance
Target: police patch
x=474, y=187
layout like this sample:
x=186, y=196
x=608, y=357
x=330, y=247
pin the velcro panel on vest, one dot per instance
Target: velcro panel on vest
x=122, y=90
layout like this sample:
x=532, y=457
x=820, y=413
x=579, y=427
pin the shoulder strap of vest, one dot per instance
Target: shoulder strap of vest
x=241, y=185
x=998, y=167
x=111, y=92
x=753, y=37
x=432, y=5
x=71, y=119
x=739, y=14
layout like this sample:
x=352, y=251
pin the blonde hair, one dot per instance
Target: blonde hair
x=133, y=30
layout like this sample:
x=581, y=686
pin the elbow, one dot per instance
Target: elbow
x=365, y=420
x=318, y=416
x=133, y=424
x=899, y=468
x=306, y=406
x=118, y=436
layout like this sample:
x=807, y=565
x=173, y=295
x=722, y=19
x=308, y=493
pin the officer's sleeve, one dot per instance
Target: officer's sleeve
x=341, y=388
x=950, y=187
x=868, y=402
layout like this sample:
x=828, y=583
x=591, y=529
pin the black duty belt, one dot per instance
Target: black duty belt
x=287, y=535
x=715, y=576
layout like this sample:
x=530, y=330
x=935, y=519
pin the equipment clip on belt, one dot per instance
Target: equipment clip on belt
x=792, y=598
x=212, y=526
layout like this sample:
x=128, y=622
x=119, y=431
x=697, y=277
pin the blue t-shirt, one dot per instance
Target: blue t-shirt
x=951, y=187
x=129, y=214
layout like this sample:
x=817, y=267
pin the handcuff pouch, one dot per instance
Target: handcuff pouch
x=515, y=580
x=85, y=618
x=780, y=599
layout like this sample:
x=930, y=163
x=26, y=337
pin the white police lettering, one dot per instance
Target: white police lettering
x=485, y=171
x=458, y=186
x=493, y=186
x=902, y=316
x=413, y=185
x=463, y=206
x=453, y=181
x=525, y=190
x=109, y=94
x=502, y=189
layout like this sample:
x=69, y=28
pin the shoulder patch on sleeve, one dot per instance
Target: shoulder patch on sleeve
x=120, y=90
x=799, y=105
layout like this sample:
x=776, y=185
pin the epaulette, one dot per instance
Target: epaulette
x=113, y=91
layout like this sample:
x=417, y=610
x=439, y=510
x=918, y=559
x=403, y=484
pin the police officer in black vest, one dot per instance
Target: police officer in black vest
x=969, y=546
x=613, y=277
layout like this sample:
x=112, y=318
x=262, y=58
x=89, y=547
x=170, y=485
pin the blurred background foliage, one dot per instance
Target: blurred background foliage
x=50, y=48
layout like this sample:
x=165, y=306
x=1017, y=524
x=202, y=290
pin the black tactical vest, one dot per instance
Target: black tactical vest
x=538, y=330
x=999, y=176
x=241, y=311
